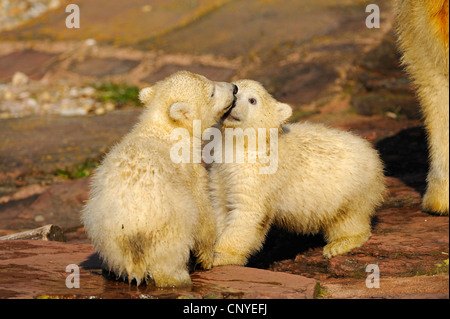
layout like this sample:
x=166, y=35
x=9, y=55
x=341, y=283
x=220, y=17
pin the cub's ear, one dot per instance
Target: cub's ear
x=180, y=111
x=284, y=112
x=146, y=95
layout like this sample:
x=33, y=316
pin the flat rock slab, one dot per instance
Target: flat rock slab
x=117, y=21
x=57, y=204
x=32, y=269
x=43, y=144
x=211, y=72
x=417, y=287
x=259, y=283
x=103, y=67
x=30, y=62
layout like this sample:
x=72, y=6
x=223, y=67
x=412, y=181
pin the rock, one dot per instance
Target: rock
x=146, y=8
x=74, y=92
x=417, y=287
x=405, y=243
x=109, y=106
x=53, y=4
x=259, y=283
x=47, y=232
x=19, y=79
x=45, y=96
x=58, y=204
x=38, y=219
x=77, y=111
x=97, y=67
x=8, y=95
x=90, y=42
x=100, y=110
x=67, y=103
x=27, y=142
x=86, y=103
x=27, y=61
x=15, y=13
x=88, y=91
x=24, y=95
x=31, y=103
x=32, y=269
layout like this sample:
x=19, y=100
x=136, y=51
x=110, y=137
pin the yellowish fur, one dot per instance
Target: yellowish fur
x=145, y=213
x=423, y=31
x=327, y=180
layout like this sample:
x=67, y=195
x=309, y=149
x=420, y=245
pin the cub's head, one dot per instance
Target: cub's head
x=184, y=97
x=255, y=108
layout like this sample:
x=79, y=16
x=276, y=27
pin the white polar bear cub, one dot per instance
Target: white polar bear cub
x=146, y=213
x=327, y=180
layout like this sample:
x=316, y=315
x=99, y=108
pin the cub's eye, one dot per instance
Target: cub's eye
x=213, y=92
x=252, y=101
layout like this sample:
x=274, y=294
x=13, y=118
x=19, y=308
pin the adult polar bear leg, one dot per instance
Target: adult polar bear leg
x=244, y=234
x=436, y=198
x=422, y=28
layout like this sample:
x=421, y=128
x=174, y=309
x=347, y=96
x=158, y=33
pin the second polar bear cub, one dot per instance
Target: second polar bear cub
x=145, y=212
x=327, y=181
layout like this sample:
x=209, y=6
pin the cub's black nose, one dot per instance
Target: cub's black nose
x=235, y=90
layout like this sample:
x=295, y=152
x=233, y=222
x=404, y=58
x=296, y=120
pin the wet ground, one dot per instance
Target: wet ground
x=316, y=55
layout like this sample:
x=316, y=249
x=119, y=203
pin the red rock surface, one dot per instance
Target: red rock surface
x=409, y=247
x=33, y=269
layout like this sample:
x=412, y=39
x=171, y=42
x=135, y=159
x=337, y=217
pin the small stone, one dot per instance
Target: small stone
x=74, y=92
x=87, y=104
x=73, y=112
x=8, y=95
x=54, y=4
x=146, y=8
x=100, y=111
x=90, y=42
x=24, y=95
x=109, y=106
x=44, y=109
x=19, y=79
x=391, y=115
x=88, y=91
x=39, y=218
x=45, y=96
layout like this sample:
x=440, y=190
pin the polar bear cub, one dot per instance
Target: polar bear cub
x=146, y=213
x=326, y=180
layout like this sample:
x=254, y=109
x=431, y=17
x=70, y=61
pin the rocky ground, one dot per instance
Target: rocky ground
x=14, y=13
x=66, y=96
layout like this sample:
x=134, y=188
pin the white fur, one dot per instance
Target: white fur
x=146, y=213
x=423, y=30
x=327, y=180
